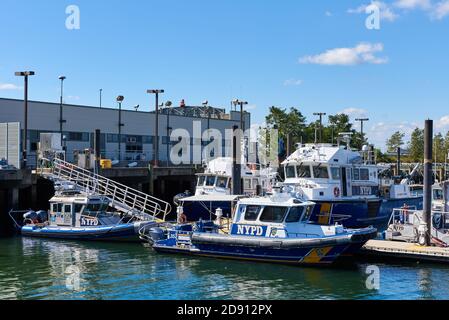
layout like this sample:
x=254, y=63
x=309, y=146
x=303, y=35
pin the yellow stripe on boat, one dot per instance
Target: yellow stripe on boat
x=315, y=255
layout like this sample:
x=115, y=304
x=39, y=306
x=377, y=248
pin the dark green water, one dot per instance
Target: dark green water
x=39, y=269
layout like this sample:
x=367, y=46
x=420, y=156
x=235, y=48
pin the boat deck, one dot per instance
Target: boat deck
x=384, y=248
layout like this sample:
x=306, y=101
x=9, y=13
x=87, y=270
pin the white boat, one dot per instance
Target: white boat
x=345, y=182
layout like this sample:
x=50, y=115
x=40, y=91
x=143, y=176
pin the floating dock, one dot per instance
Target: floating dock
x=396, y=249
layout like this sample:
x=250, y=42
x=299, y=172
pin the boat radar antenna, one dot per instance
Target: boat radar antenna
x=346, y=138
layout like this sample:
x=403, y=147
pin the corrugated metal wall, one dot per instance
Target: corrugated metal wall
x=10, y=143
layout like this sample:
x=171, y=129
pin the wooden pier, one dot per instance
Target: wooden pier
x=396, y=249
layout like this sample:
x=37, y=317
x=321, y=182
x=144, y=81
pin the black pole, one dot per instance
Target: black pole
x=427, y=206
x=156, y=143
x=119, y=131
x=101, y=91
x=61, y=121
x=25, y=133
x=168, y=136
x=236, y=166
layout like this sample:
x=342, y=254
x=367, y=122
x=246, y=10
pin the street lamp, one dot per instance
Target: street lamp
x=25, y=74
x=61, y=120
x=320, y=114
x=156, y=144
x=101, y=94
x=120, y=125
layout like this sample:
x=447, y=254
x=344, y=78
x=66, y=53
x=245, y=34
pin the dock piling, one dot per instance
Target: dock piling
x=427, y=205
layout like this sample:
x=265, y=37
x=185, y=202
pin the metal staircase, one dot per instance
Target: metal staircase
x=121, y=197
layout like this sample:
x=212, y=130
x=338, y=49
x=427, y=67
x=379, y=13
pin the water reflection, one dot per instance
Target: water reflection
x=38, y=269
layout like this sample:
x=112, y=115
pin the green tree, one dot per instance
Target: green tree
x=395, y=141
x=287, y=122
x=416, y=145
x=439, y=149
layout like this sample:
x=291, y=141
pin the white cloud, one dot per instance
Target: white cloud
x=73, y=97
x=9, y=86
x=293, y=82
x=381, y=131
x=440, y=10
x=413, y=4
x=442, y=123
x=354, y=112
x=390, y=12
x=362, y=53
x=328, y=14
x=386, y=12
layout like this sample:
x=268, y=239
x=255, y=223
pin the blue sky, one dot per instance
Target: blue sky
x=314, y=55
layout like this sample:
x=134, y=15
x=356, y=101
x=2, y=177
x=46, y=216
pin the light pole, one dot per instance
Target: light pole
x=320, y=114
x=168, y=104
x=362, y=121
x=101, y=94
x=25, y=74
x=242, y=125
x=156, y=142
x=61, y=120
x=120, y=125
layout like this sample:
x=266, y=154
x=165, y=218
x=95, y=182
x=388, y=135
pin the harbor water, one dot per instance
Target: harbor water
x=50, y=269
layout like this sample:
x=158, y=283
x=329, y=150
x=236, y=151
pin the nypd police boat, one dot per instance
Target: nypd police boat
x=79, y=216
x=274, y=228
x=342, y=181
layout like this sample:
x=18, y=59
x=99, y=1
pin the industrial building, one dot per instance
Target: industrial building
x=136, y=130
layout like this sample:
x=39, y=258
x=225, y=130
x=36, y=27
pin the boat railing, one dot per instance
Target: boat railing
x=121, y=197
x=405, y=216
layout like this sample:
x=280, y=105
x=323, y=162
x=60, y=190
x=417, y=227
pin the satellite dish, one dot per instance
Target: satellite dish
x=205, y=102
x=168, y=104
x=136, y=107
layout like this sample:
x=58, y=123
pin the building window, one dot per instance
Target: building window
x=111, y=138
x=147, y=139
x=78, y=136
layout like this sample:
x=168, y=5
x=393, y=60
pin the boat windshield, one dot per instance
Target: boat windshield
x=304, y=171
x=290, y=172
x=210, y=181
x=438, y=194
x=320, y=172
x=335, y=171
x=307, y=214
x=273, y=214
x=251, y=213
x=95, y=208
x=201, y=180
x=221, y=182
x=294, y=215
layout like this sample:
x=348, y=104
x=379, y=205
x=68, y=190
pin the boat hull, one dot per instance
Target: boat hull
x=285, y=251
x=362, y=213
x=121, y=233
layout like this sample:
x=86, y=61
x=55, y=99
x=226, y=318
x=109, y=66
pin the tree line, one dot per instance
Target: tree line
x=292, y=122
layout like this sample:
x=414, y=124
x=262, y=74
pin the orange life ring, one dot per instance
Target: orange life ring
x=337, y=192
x=182, y=219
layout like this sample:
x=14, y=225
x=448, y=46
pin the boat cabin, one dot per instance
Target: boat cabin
x=79, y=211
x=278, y=216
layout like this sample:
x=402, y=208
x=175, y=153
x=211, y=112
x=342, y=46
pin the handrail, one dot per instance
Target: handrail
x=121, y=196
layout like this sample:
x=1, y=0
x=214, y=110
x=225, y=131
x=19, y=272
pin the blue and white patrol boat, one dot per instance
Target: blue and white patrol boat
x=274, y=228
x=87, y=206
x=79, y=216
x=213, y=188
x=345, y=182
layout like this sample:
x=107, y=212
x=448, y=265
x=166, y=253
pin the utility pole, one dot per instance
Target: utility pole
x=25, y=74
x=156, y=138
x=120, y=125
x=61, y=119
x=362, y=121
x=320, y=114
